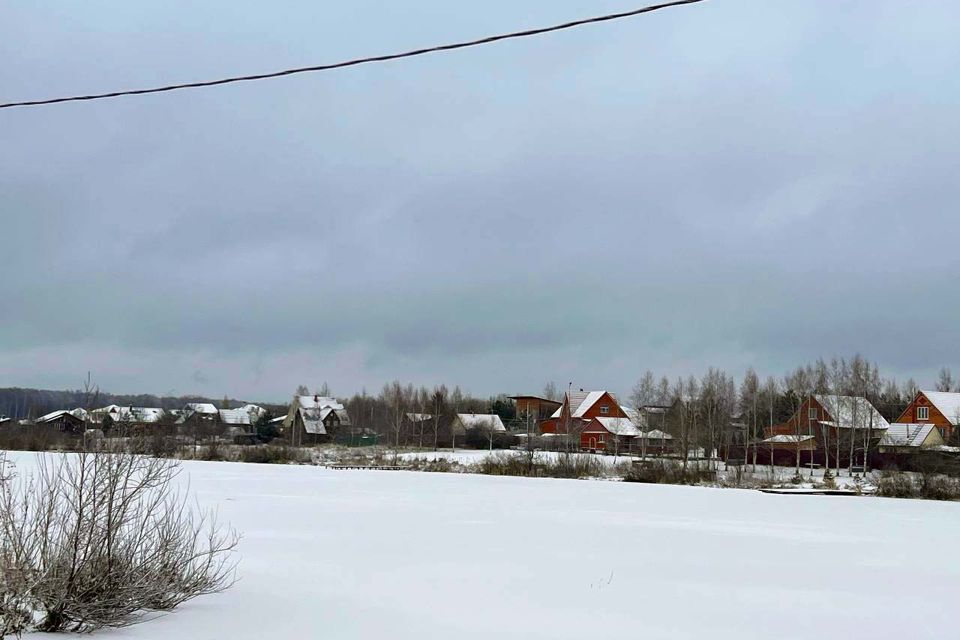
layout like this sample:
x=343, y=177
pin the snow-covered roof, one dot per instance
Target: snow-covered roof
x=787, y=438
x=636, y=416
x=315, y=401
x=419, y=417
x=619, y=426
x=481, y=421
x=908, y=435
x=580, y=403
x=53, y=415
x=128, y=414
x=202, y=407
x=851, y=412
x=314, y=409
x=946, y=403
x=657, y=434
x=245, y=415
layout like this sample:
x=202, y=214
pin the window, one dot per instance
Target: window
x=812, y=413
x=943, y=432
x=604, y=409
x=923, y=413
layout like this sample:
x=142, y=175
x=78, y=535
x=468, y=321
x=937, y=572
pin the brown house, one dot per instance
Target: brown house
x=579, y=408
x=534, y=408
x=63, y=421
x=824, y=423
x=939, y=408
x=314, y=419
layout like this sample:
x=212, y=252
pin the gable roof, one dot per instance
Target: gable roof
x=481, y=421
x=313, y=411
x=128, y=414
x=947, y=403
x=657, y=434
x=788, y=438
x=53, y=415
x=910, y=435
x=245, y=415
x=580, y=402
x=619, y=426
x=202, y=407
x=851, y=412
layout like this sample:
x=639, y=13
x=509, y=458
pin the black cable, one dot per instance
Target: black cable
x=351, y=63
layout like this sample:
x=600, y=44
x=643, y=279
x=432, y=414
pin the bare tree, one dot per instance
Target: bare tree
x=749, y=400
x=456, y=398
x=397, y=399
x=945, y=380
x=550, y=391
x=438, y=406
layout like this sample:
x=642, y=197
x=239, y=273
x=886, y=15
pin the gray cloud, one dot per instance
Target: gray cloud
x=752, y=184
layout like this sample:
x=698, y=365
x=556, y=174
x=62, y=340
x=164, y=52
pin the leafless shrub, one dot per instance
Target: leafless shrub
x=533, y=464
x=894, y=484
x=431, y=465
x=93, y=540
x=940, y=488
x=269, y=454
x=668, y=472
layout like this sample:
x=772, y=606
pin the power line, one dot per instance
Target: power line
x=354, y=62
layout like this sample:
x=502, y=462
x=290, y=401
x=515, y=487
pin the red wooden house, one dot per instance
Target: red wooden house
x=597, y=417
x=938, y=408
x=821, y=424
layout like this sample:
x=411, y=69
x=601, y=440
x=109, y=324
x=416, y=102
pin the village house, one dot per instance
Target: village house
x=534, y=409
x=616, y=435
x=64, y=421
x=823, y=427
x=314, y=419
x=939, y=408
x=485, y=422
x=113, y=414
x=600, y=421
x=580, y=407
x=654, y=442
x=240, y=422
x=909, y=438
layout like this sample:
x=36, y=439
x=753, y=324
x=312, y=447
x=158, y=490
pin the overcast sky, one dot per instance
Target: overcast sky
x=732, y=183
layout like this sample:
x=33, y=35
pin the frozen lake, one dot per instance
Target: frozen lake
x=388, y=554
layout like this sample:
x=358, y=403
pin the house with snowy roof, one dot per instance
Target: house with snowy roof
x=127, y=415
x=581, y=407
x=825, y=423
x=64, y=420
x=463, y=422
x=598, y=418
x=313, y=419
x=240, y=421
x=939, y=408
x=908, y=438
x=605, y=433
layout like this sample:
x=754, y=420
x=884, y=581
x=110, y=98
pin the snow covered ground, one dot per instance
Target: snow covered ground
x=388, y=554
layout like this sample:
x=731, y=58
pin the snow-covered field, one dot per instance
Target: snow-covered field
x=388, y=554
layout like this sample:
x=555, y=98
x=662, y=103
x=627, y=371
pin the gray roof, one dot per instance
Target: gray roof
x=908, y=435
x=851, y=412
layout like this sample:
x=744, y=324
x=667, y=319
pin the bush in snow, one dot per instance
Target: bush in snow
x=893, y=484
x=940, y=488
x=668, y=472
x=93, y=540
